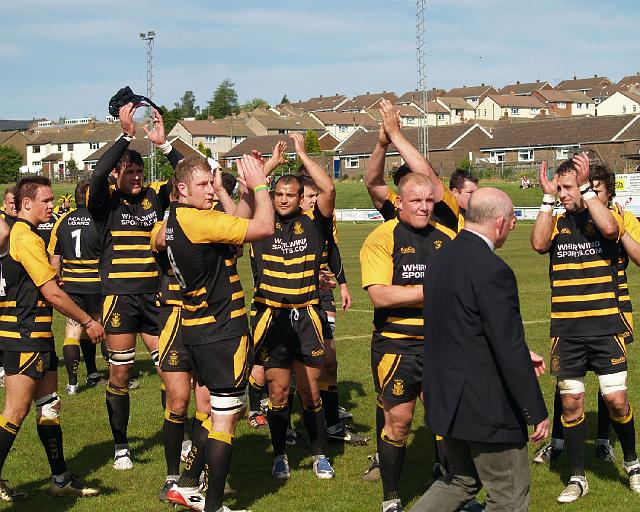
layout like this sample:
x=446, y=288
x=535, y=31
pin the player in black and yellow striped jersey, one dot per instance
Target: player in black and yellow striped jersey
x=65, y=204
x=74, y=251
x=214, y=320
x=446, y=209
x=393, y=261
x=29, y=290
x=9, y=203
x=287, y=328
x=586, y=321
x=124, y=216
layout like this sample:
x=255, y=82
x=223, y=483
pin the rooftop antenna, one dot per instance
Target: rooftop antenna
x=421, y=47
x=149, y=38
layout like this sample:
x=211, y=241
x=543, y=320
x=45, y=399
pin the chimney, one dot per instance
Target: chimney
x=537, y=81
x=368, y=93
x=321, y=96
x=595, y=76
x=384, y=92
x=574, y=77
x=482, y=84
x=517, y=82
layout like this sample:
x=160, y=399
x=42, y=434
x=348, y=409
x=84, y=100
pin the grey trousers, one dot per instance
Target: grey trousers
x=503, y=469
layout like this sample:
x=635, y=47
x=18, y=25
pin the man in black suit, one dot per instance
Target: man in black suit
x=480, y=386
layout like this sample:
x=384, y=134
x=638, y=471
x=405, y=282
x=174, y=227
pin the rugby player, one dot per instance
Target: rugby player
x=214, y=324
x=393, y=260
x=124, y=216
x=9, y=203
x=287, y=328
x=29, y=288
x=74, y=251
x=586, y=320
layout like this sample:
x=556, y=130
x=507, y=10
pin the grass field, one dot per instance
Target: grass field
x=89, y=450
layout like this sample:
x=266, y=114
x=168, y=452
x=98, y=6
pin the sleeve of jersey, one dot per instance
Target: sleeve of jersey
x=388, y=208
x=620, y=221
x=554, y=227
x=376, y=258
x=28, y=249
x=632, y=226
x=449, y=199
x=154, y=232
x=210, y=226
x=54, y=242
x=326, y=224
x=163, y=191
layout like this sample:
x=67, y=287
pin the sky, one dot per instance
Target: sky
x=67, y=58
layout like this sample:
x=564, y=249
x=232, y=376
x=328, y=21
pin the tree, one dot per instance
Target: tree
x=10, y=162
x=465, y=164
x=311, y=143
x=253, y=104
x=171, y=118
x=187, y=105
x=284, y=100
x=204, y=150
x=224, y=101
x=72, y=167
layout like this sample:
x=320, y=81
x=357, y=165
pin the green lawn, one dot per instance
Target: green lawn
x=89, y=445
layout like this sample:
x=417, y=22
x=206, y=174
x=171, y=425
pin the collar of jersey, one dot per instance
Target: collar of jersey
x=421, y=231
x=291, y=216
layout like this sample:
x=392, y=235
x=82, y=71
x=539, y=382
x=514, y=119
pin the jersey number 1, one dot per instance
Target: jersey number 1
x=75, y=234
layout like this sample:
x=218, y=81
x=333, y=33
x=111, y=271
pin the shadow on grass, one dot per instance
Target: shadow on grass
x=92, y=458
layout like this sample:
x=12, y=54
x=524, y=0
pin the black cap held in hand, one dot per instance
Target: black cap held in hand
x=126, y=95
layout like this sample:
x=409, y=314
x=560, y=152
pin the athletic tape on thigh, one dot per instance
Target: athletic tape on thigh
x=228, y=403
x=122, y=357
x=571, y=386
x=612, y=382
x=48, y=409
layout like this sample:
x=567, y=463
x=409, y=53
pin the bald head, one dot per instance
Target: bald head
x=490, y=212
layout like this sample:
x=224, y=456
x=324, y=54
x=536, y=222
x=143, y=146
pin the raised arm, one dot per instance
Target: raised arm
x=222, y=194
x=601, y=215
x=99, y=188
x=277, y=157
x=262, y=224
x=374, y=171
x=543, y=227
x=326, y=201
x=413, y=158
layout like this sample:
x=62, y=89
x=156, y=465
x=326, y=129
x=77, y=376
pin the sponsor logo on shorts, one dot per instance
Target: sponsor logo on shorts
x=145, y=203
x=437, y=244
x=40, y=365
x=565, y=231
x=173, y=358
x=618, y=360
x=297, y=228
x=115, y=320
x=316, y=353
x=398, y=387
x=407, y=250
x=555, y=364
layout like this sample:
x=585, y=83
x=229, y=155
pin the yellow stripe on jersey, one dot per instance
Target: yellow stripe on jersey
x=235, y=278
x=237, y=295
x=584, y=298
x=580, y=314
x=288, y=291
x=82, y=279
x=387, y=367
x=79, y=271
x=240, y=358
x=582, y=266
x=196, y=293
x=10, y=334
x=146, y=234
x=405, y=321
x=129, y=275
x=237, y=313
x=398, y=336
x=8, y=318
x=131, y=247
x=124, y=261
x=44, y=319
x=174, y=287
x=8, y=304
x=198, y=321
x=82, y=262
x=276, y=304
x=41, y=334
x=196, y=307
x=585, y=280
x=292, y=261
x=288, y=275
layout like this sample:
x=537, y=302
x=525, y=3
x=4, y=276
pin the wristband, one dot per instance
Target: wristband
x=126, y=136
x=259, y=188
x=87, y=322
x=165, y=147
x=544, y=207
x=549, y=199
x=585, y=188
x=589, y=194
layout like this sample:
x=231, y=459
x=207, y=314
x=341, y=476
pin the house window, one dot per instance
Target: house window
x=525, y=155
x=59, y=147
x=342, y=128
x=498, y=156
x=596, y=100
x=411, y=120
x=634, y=108
x=535, y=110
x=485, y=112
x=579, y=106
x=562, y=104
x=37, y=164
x=352, y=163
x=566, y=152
x=36, y=149
x=237, y=140
x=94, y=145
x=211, y=139
x=440, y=117
x=70, y=147
x=515, y=111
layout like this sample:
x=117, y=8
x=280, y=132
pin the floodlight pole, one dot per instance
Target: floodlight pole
x=149, y=37
x=421, y=48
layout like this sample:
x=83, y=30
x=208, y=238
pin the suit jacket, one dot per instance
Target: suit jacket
x=479, y=382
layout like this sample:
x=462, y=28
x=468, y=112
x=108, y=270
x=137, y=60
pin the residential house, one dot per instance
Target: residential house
x=472, y=95
x=412, y=115
x=416, y=98
x=494, y=107
x=342, y=124
x=611, y=138
x=52, y=150
x=318, y=104
x=630, y=82
x=448, y=146
x=368, y=100
x=268, y=122
x=621, y=102
x=566, y=103
x=583, y=84
x=219, y=135
x=17, y=140
x=599, y=94
x=460, y=110
x=525, y=89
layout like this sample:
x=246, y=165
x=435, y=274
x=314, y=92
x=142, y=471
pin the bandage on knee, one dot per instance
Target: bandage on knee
x=48, y=409
x=122, y=357
x=612, y=382
x=571, y=386
x=227, y=404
